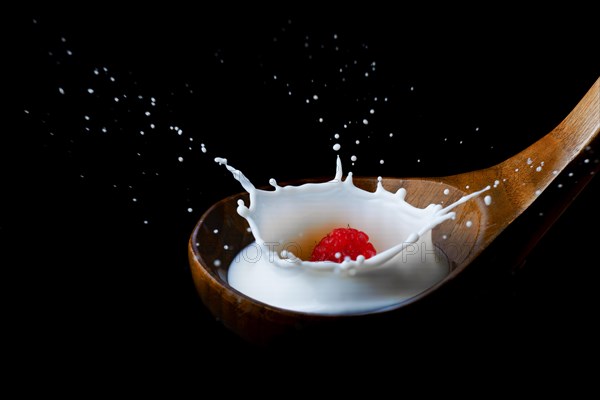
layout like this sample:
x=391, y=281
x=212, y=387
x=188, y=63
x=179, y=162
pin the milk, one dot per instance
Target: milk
x=288, y=221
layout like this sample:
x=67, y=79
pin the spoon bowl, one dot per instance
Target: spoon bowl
x=516, y=184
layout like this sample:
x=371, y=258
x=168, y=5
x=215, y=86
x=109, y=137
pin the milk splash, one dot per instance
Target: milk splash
x=288, y=221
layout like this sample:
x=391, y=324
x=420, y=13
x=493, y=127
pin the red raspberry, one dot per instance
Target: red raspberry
x=343, y=242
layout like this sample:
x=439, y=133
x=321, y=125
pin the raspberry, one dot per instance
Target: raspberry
x=341, y=243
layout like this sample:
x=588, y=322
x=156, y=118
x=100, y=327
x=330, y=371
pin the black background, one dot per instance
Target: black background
x=100, y=215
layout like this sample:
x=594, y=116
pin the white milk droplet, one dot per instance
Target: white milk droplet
x=180, y=159
x=336, y=146
x=487, y=200
x=469, y=223
x=190, y=209
x=365, y=121
x=215, y=231
x=381, y=161
x=217, y=263
x=90, y=91
x=353, y=158
x=446, y=191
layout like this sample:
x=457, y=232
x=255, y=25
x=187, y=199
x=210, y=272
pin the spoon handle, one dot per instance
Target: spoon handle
x=520, y=179
x=562, y=145
x=582, y=123
x=529, y=173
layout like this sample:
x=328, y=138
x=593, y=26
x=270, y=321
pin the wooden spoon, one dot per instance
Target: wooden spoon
x=515, y=183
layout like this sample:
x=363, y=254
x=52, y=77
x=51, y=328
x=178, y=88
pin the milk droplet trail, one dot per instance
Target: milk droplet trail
x=117, y=112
